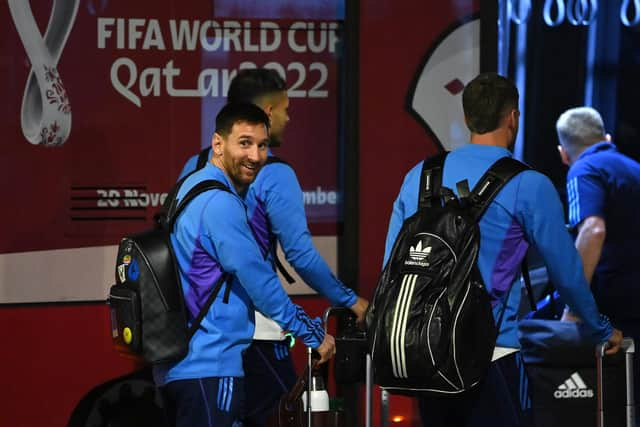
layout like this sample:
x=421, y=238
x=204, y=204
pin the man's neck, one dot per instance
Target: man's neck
x=496, y=138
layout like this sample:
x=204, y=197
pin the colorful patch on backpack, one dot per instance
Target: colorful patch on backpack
x=126, y=259
x=122, y=273
x=133, y=271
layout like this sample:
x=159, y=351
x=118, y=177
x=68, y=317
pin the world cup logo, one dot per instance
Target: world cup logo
x=435, y=97
x=46, y=112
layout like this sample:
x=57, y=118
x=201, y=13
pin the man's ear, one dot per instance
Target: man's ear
x=216, y=144
x=515, y=118
x=267, y=108
x=563, y=155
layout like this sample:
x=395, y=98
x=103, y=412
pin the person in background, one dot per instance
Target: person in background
x=603, y=192
x=276, y=213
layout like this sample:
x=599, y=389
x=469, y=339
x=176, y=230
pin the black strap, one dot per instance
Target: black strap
x=287, y=276
x=276, y=159
x=203, y=158
x=504, y=308
x=173, y=214
x=431, y=180
x=201, y=187
x=161, y=218
x=205, y=308
x=527, y=282
x=493, y=180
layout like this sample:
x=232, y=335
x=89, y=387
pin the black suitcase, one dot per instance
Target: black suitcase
x=564, y=384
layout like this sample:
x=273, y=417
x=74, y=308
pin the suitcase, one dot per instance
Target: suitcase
x=628, y=348
x=353, y=363
x=564, y=384
x=291, y=411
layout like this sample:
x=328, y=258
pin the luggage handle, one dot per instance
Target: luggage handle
x=334, y=311
x=369, y=366
x=628, y=346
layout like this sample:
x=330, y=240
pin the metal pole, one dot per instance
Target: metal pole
x=369, y=391
x=309, y=379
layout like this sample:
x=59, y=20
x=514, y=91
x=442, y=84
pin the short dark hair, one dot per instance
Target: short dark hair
x=250, y=85
x=242, y=112
x=486, y=99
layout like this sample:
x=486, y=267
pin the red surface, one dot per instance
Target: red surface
x=51, y=357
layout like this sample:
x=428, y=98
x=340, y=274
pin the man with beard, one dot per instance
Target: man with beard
x=276, y=214
x=526, y=211
x=212, y=238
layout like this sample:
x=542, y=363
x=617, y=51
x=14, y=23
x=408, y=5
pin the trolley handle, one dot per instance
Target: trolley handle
x=628, y=347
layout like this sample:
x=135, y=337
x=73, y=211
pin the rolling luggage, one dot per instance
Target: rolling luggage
x=351, y=365
x=628, y=349
x=564, y=380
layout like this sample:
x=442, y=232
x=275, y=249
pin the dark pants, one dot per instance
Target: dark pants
x=269, y=373
x=501, y=399
x=204, y=402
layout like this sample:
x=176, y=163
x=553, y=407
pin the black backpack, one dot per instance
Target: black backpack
x=430, y=324
x=149, y=318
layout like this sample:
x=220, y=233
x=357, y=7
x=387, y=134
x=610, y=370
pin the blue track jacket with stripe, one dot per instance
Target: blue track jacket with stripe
x=213, y=235
x=526, y=211
x=276, y=211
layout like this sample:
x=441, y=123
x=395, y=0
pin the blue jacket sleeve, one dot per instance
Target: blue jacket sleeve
x=285, y=209
x=586, y=193
x=541, y=215
x=405, y=205
x=239, y=255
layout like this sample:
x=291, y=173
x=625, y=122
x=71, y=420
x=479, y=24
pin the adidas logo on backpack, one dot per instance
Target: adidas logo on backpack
x=417, y=255
x=430, y=323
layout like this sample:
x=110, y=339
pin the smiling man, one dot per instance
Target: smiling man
x=212, y=237
x=276, y=213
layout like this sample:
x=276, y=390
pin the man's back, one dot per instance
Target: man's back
x=526, y=210
x=605, y=183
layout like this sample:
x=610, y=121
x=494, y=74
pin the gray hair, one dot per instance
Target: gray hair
x=578, y=129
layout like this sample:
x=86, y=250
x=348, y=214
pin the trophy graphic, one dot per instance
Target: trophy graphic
x=46, y=112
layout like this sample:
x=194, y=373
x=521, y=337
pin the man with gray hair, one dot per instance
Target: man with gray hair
x=603, y=191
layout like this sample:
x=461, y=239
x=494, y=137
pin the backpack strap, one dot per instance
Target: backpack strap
x=161, y=218
x=287, y=276
x=201, y=187
x=431, y=180
x=487, y=188
x=490, y=184
x=205, y=308
x=172, y=215
x=203, y=158
x=276, y=159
